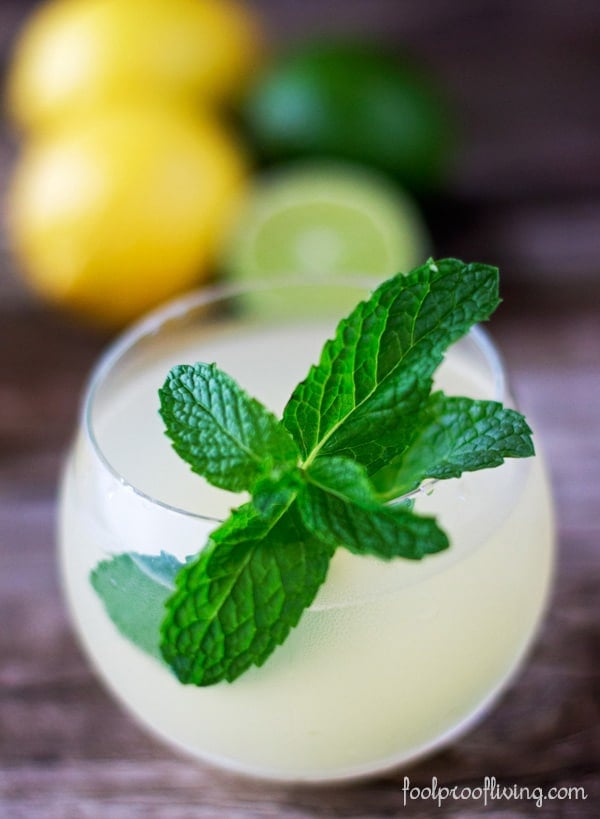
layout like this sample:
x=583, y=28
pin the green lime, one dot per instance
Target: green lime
x=322, y=220
x=351, y=102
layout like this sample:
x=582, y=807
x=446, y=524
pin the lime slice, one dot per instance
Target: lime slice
x=322, y=221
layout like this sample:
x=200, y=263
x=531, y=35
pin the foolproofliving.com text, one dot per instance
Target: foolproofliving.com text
x=490, y=791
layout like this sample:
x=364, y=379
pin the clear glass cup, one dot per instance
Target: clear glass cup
x=393, y=659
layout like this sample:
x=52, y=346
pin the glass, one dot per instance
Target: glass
x=394, y=659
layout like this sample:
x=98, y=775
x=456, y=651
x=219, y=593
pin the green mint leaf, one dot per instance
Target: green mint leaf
x=343, y=477
x=242, y=595
x=219, y=430
x=339, y=506
x=272, y=494
x=133, y=588
x=382, y=357
x=457, y=435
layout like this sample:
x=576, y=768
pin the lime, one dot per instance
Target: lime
x=351, y=102
x=74, y=56
x=320, y=220
x=118, y=212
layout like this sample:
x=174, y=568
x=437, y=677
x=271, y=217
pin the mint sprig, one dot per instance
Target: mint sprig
x=363, y=428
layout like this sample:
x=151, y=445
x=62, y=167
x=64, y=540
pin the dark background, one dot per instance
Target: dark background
x=524, y=194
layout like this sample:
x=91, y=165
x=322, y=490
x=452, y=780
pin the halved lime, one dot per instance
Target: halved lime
x=322, y=220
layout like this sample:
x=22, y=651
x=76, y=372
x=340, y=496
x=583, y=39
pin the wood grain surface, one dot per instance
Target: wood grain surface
x=525, y=194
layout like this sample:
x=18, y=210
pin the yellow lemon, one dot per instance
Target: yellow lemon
x=74, y=56
x=114, y=215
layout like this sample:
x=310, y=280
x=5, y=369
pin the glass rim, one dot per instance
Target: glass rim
x=154, y=321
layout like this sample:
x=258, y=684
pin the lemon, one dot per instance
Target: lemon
x=322, y=219
x=113, y=216
x=74, y=56
x=351, y=102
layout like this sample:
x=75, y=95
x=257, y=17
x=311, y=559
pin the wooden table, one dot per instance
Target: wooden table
x=526, y=194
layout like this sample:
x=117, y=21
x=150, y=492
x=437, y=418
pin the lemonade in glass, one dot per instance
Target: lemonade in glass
x=393, y=658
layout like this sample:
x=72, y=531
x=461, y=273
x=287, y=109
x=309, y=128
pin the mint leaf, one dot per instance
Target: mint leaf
x=219, y=430
x=133, y=588
x=242, y=595
x=383, y=355
x=272, y=494
x=344, y=477
x=457, y=435
x=339, y=506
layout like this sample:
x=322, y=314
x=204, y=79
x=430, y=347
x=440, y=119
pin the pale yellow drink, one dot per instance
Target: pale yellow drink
x=392, y=659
